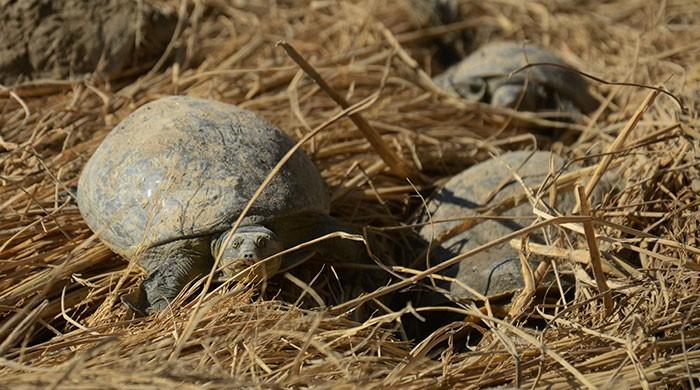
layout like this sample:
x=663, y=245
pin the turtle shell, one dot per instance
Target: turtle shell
x=495, y=61
x=495, y=271
x=186, y=167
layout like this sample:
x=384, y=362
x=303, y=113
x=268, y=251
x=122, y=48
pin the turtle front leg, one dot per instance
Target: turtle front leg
x=171, y=267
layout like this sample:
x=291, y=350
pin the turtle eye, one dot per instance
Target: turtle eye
x=236, y=243
x=260, y=242
x=474, y=89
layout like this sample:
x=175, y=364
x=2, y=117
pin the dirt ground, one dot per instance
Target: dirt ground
x=69, y=75
x=44, y=39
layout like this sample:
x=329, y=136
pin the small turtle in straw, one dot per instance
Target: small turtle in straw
x=486, y=76
x=495, y=272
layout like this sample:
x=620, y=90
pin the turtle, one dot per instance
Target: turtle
x=485, y=76
x=495, y=272
x=166, y=184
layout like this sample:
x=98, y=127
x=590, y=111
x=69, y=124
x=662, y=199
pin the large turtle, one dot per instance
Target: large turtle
x=496, y=271
x=485, y=76
x=168, y=181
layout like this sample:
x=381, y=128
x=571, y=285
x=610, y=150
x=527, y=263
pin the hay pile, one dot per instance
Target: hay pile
x=61, y=325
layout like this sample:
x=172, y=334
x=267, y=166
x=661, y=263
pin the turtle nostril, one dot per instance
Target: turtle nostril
x=248, y=255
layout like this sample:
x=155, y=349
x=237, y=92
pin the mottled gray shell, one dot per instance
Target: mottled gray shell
x=497, y=270
x=495, y=61
x=182, y=167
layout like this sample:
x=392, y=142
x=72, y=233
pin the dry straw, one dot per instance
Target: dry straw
x=632, y=323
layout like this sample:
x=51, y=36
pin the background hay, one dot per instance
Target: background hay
x=60, y=323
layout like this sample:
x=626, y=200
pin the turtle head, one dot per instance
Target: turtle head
x=241, y=255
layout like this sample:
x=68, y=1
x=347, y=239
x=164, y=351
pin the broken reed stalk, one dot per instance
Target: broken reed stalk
x=577, y=255
x=399, y=168
x=617, y=144
x=522, y=300
x=598, y=273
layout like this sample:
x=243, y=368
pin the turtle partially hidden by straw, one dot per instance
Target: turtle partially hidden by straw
x=495, y=272
x=167, y=184
x=487, y=76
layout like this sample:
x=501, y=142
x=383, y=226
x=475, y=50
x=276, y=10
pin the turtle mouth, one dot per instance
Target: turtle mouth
x=238, y=270
x=244, y=270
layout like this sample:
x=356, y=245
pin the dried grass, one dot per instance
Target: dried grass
x=61, y=325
